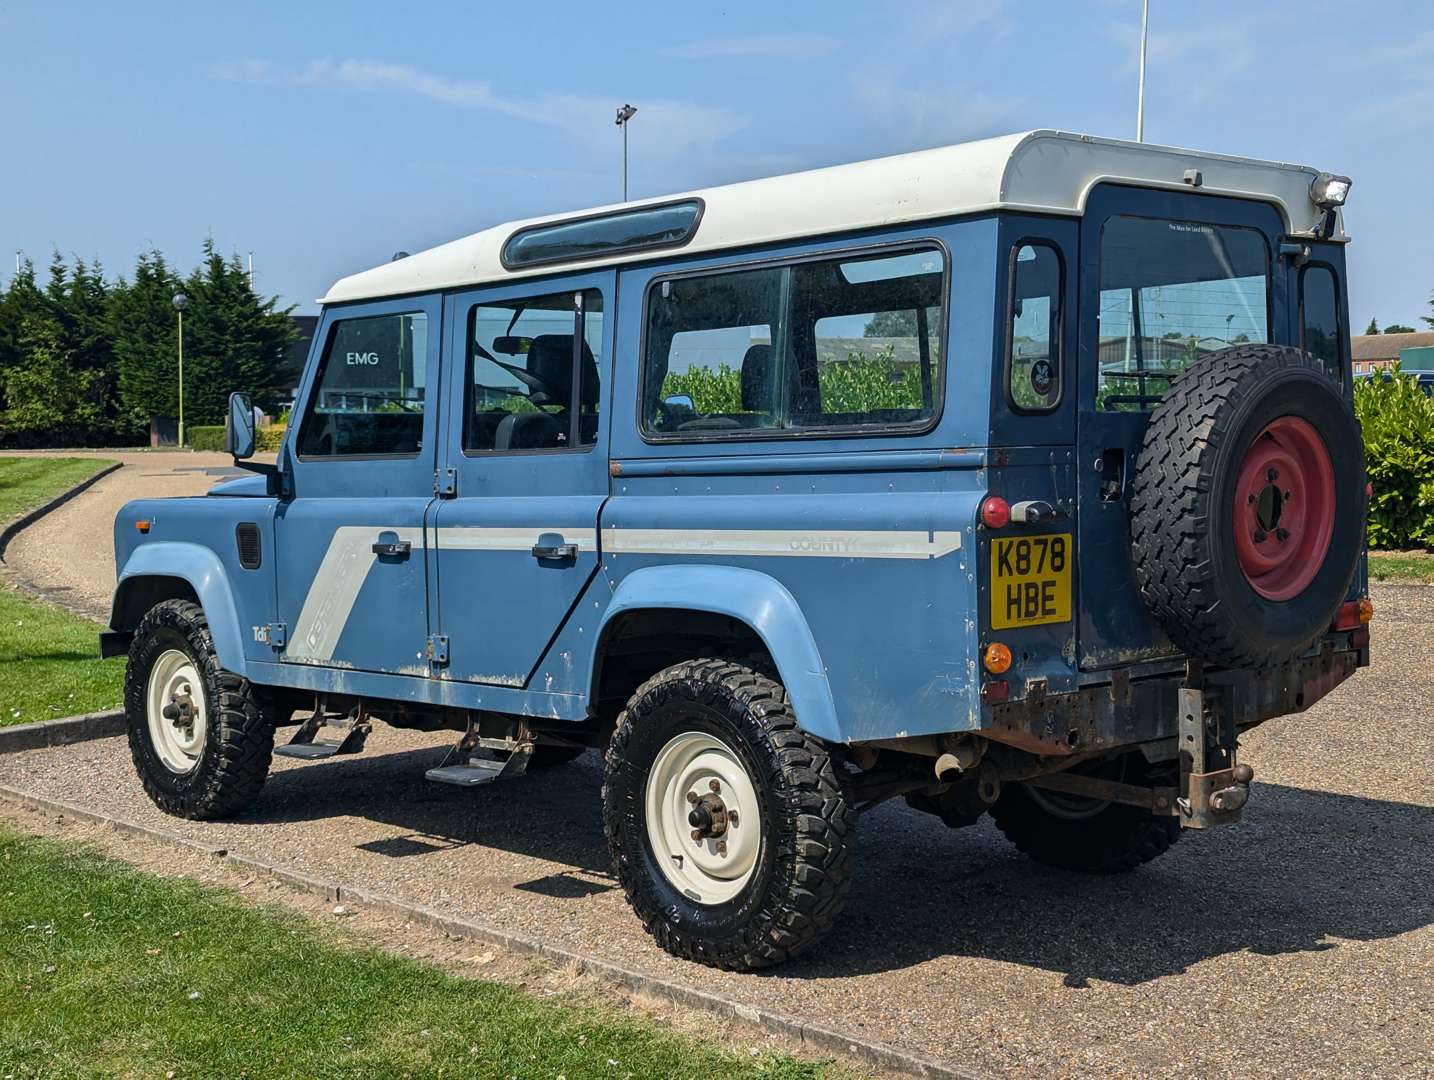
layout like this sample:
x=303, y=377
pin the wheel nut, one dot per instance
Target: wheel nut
x=732, y=818
x=722, y=848
x=1282, y=534
x=1272, y=475
x=692, y=796
x=1249, y=498
x=715, y=786
x=1260, y=536
x=697, y=836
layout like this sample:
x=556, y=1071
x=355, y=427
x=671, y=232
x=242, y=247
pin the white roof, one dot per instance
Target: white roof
x=1044, y=171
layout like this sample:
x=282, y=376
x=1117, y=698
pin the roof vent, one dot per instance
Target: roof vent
x=647, y=228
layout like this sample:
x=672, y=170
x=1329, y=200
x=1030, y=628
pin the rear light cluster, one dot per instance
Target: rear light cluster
x=996, y=659
x=1354, y=614
x=995, y=512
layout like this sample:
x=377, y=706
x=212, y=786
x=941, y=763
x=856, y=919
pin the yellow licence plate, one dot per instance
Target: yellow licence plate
x=1030, y=580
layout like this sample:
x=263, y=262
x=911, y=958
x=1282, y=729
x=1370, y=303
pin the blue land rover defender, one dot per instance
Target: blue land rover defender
x=1016, y=477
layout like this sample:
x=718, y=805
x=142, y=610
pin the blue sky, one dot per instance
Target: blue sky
x=325, y=136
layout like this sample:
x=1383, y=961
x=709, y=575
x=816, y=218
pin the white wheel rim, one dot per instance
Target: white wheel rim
x=714, y=868
x=174, y=681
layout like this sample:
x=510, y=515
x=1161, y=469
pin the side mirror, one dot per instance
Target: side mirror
x=239, y=428
x=680, y=401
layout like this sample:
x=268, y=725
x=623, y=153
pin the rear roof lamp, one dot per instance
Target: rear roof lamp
x=648, y=228
x=1328, y=190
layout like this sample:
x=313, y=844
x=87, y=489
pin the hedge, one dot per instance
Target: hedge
x=266, y=439
x=1398, y=422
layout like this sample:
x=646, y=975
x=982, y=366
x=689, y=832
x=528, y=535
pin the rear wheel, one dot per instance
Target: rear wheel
x=201, y=737
x=728, y=825
x=1078, y=833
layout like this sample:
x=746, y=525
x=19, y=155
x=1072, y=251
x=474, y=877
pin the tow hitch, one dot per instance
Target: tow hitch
x=1213, y=788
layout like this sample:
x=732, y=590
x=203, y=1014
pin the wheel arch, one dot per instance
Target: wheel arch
x=167, y=570
x=748, y=599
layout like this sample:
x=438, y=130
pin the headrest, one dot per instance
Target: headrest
x=758, y=371
x=550, y=362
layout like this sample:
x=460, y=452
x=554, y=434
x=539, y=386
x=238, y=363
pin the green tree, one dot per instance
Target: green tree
x=233, y=339
x=1397, y=328
x=78, y=301
x=142, y=324
x=892, y=324
x=1372, y=328
x=51, y=395
x=21, y=300
x=1429, y=318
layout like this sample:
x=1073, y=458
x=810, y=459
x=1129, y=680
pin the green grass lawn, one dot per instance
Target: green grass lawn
x=26, y=482
x=1402, y=567
x=49, y=659
x=107, y=971
x=50, y=663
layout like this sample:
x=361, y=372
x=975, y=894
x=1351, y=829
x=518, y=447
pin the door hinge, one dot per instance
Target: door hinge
x=273, y=634
x=437, y=649
x=445, y=481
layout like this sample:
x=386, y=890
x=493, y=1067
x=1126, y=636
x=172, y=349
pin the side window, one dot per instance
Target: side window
x=369, y=396
x=1320, y=334
x=818, y=345
x=1171, y=292
x=532, y=380
x=1033, y=338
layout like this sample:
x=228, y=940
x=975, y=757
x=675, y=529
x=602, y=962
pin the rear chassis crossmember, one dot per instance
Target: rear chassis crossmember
x=1199, y=713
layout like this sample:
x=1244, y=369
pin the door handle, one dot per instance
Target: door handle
x=400, y=548
x=559, y=551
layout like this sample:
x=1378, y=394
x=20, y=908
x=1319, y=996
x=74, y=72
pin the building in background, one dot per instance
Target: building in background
x=1379, y=352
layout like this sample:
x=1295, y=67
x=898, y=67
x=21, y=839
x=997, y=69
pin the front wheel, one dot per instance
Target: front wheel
x=728, y=826
x=201, y=737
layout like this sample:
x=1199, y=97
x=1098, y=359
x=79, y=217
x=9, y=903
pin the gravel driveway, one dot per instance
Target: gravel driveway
x=1300, y=943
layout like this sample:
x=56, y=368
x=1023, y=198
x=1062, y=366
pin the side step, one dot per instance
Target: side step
x=326, y=734
x=471, y=762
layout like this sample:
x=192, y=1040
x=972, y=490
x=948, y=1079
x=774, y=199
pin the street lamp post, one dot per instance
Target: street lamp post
x=624, y=114
x=180, y=302
x=1140, y=99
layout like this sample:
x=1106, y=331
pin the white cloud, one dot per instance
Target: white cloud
x=666, y=128
x=789, y=46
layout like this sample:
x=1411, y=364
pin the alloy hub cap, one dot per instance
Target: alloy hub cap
x=702, y=818
x=174, y=711
x=1284, y=508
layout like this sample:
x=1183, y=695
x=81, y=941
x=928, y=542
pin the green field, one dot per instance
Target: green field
x=1402, y=567
x=107, y=971
x=49, y=659
x=26, y=482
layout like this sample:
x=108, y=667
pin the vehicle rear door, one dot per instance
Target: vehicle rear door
x=351, y=580
x=524, y=470
x=1166, y=278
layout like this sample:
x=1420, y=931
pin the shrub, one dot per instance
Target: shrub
x=205, y=437
x=267, y=439
x=1398, y=422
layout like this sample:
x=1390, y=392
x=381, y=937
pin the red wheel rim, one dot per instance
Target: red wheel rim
x=1284, y=508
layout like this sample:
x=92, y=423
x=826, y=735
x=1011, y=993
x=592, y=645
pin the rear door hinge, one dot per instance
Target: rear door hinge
x=445, y=481
x=273, y=634
x=437, y=649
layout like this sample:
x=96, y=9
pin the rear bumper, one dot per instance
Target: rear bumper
x=1128, y=711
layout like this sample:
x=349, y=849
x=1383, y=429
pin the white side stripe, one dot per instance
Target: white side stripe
x=875, y=544
x=346, y=563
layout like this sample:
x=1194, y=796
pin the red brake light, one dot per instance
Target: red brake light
x=1353, y=615
x=995, y=512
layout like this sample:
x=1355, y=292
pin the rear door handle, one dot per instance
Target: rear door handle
x=400, y=548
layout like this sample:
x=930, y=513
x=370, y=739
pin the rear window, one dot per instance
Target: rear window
x=1320, y=331
x=1170, y=293
x=822, y=345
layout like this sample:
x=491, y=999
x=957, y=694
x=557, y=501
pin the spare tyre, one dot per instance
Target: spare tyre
x=1248, y=505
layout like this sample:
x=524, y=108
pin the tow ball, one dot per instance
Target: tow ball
x=1215, y=787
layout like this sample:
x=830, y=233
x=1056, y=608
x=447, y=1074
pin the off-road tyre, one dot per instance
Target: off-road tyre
x=239, y=740
x=1183, y=517
x=807, y=853
x=1115, y=839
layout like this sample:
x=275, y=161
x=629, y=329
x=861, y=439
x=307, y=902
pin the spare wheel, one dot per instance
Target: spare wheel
x=1248, y=505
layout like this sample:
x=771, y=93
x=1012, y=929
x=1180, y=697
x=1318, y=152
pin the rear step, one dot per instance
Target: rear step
x=326, y=734
x=464, y=766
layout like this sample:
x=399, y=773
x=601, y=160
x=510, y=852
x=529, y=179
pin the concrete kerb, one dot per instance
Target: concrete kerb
x=62, y=732
x=818, y=1038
